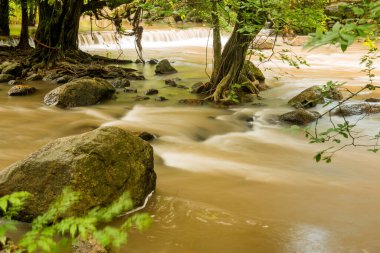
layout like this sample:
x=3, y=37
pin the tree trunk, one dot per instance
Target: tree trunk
x=58, y=27
x=32, y=14
x=235, y=52
x=217, y=42
x=24, y=36
x=4, y=18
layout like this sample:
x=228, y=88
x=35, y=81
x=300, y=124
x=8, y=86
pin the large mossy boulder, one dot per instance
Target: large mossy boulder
x=308, y=98
x=164, y=67
x=80, y=92
x=100, y=165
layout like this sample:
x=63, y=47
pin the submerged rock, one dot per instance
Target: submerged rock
x=153, y=61
x=151, y=92
x=171, y=82
x=121, y=83
x=300, y=117
x=63, y=79
x=14, y=82
x=21, y=90
x=161, y=99
x=146, y=136
x=307, y=98
x=80, y=92
x=197, y=88
x=130, y=90
x=100, y=165
x=164, y=67
x=358, y=109
x=190, y=101
x=373, y=100
x=141, y=98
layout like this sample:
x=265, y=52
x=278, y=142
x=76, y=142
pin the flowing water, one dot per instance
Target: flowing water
x=229, y=180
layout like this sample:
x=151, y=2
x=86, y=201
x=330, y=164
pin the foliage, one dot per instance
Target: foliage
x=346, y=133
x=10, y=205
x=50, y=231
x=366, y=25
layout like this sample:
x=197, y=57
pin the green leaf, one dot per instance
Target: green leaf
x=318, y=157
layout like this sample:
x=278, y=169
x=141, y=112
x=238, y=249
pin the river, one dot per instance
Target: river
x=225, y=183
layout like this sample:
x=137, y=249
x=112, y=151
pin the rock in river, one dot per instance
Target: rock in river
x=21, y=90
x=358, y=109
x=100, y=165
x=80, y=92
x=300, y=117
x=308, y=98
x=164, y=67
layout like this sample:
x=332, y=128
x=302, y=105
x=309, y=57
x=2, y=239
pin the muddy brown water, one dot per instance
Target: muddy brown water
x=226, y=184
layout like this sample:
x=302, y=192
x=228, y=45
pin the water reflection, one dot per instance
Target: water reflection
x=309, y=239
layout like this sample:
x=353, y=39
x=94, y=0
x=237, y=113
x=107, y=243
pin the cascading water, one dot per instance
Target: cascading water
x=194, y=37
x=229, y=180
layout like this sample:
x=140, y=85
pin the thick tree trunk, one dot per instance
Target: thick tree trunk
x=234, y=53
x=58, y=27
x=4, y=18
x=217, y=42
x=24, y=36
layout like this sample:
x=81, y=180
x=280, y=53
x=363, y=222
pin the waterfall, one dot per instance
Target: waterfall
x=108, y=40
x=196, y=37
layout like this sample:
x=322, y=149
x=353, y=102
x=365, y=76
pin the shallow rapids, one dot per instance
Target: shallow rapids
x=229, y=180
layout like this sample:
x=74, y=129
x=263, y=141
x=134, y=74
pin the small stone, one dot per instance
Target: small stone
x=147, y=136
x=14, y=82
x=161, y=99
x=141, y=98
x=63, y=79
x=130, y=90
x=171, y=82
x=21, y=90
x=181, y=86
x=153, y=61
x=138, y=61
x=191, y=101
x=151, y=92
x=88, y=246
x=197, y=88
x=121, y=83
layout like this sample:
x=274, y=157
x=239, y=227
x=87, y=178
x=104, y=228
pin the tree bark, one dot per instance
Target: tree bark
x=24, y=36
x=58, y=27
x=4, y=18
x=235, y=52
x=217, y=41
x=32, y=14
